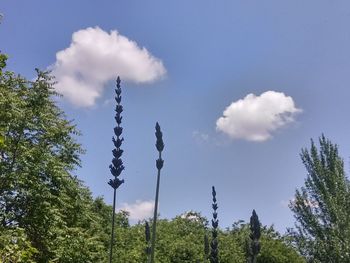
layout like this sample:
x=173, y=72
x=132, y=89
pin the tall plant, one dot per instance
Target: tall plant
x=117, y=164
x=255, y=233
x=159, y=165
x=214, y=250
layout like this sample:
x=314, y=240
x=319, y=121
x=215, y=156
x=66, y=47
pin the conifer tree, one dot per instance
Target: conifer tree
x=255, y=233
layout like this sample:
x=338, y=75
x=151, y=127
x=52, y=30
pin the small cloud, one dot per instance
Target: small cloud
x=108, y=102
x=200, y=136
x=139, y=210
x=191, y=216
x=95, y=57
x=255, y=118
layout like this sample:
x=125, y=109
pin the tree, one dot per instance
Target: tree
x=15, y=246
x=255, y=233
x=322, y=206
x=181, y=239
x=275, y=248
x=39, y=196
x=38, y=153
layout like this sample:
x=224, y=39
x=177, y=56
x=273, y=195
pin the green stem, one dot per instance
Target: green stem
x=155, y=215
x=113, y=219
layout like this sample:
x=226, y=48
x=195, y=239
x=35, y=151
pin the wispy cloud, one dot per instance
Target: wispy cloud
x=95, y=57
x=200, y=136
x=255, y=118
x=139, y=210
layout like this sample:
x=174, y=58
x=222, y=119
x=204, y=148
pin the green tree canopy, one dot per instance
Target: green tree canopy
x=322, y=206
x=38, y=152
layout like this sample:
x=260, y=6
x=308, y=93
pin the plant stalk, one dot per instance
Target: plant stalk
x=154, y=228
x=113, y=220
x=159, y=165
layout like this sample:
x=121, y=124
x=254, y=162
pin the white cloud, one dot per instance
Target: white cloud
x=255, y=118
x=191, y=216
x=200, y=136
x=139, y=210
x=95, y=57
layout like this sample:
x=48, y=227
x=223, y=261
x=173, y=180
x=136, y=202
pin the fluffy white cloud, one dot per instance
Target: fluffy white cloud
x=139, y=210
x=255, y=118
x=95, y=57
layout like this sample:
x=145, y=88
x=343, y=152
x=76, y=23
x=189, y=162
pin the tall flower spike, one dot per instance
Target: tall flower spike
x=159, y=136
x=214, y=250
x=255, y=233
x=159, y=165
x=117, y=166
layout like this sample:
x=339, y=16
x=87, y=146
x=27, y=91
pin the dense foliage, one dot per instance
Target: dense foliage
x=180, y=240
x=46, y=210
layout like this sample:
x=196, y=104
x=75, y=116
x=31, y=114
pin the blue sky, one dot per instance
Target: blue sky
x=187, y=64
